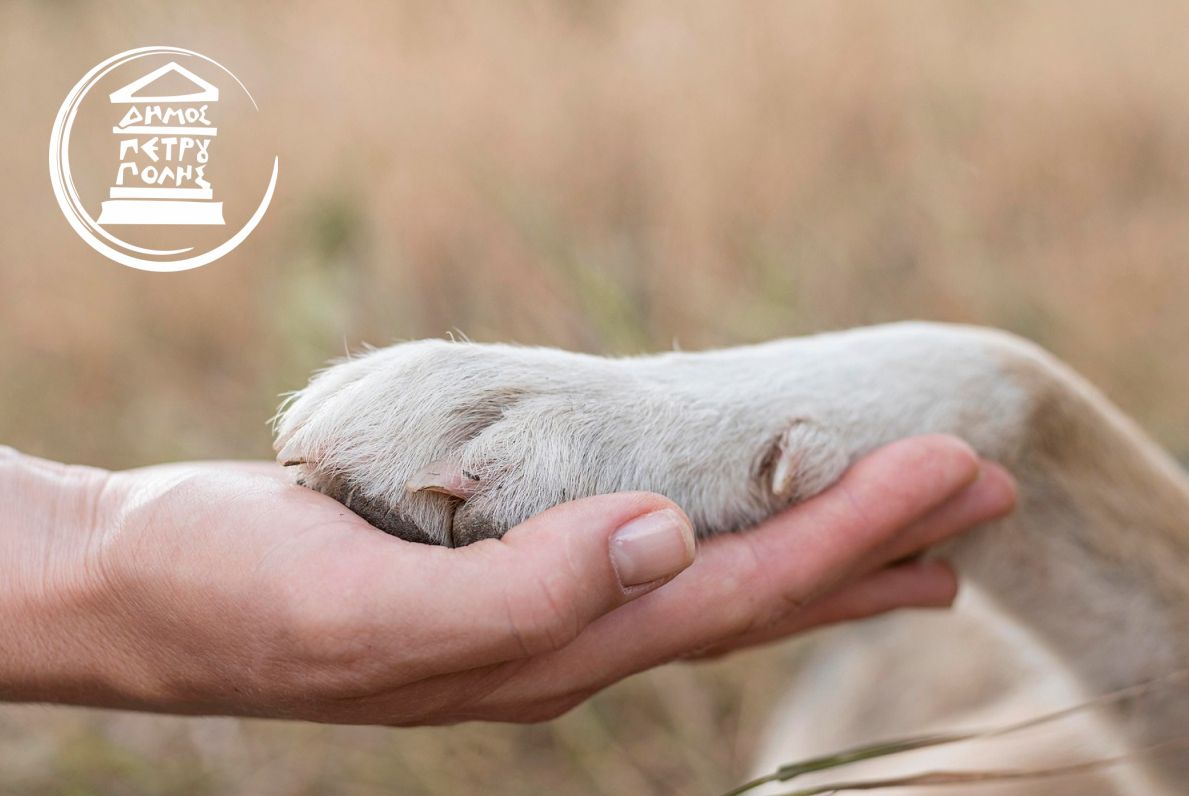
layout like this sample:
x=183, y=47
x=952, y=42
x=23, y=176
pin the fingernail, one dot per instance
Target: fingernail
x=651, y=547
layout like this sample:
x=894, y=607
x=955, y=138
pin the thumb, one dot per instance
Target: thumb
x=562, y=569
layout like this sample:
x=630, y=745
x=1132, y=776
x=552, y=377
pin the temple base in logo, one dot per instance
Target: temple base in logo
x=160, y=211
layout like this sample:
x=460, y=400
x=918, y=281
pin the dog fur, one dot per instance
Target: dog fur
x=1085, y=589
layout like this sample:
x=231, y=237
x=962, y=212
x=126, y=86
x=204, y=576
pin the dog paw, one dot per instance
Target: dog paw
x=448, y=443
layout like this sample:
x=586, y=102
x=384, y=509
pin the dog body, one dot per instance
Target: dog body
x=1084, y=590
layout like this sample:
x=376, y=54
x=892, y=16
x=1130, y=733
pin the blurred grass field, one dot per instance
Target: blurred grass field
x=612, y=177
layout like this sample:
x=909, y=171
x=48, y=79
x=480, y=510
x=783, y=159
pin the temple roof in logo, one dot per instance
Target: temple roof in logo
x=205, y=92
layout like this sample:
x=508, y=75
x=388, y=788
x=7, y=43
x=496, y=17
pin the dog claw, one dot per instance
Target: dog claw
x=444, y=477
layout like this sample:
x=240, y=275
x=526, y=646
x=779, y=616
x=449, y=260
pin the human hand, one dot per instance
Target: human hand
x=221, y=588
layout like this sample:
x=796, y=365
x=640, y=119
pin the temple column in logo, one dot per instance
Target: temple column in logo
x=164, y=146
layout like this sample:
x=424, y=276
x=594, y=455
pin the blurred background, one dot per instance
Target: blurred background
x=612, y=177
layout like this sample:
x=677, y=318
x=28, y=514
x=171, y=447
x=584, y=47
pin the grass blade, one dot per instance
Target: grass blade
x=893, y=747
x=929, y=778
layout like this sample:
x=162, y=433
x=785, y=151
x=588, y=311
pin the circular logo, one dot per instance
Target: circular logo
x=155, y=159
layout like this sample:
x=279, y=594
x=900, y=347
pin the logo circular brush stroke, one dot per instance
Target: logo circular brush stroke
x=89, y=229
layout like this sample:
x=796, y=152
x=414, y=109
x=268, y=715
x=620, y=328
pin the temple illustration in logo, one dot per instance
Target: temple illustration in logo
x=164, y=145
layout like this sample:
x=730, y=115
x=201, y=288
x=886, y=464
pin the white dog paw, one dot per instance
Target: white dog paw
x=448, y=443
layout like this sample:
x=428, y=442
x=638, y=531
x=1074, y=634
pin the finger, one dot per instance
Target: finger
x=991, y=496
x=876, y=504
x=928, y=584
x=878, y=588
x=745, y=582
x=574, y=563
x=532, y=591
x=919, y=584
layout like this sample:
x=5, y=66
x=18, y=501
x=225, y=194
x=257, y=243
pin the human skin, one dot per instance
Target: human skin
x=221, y=588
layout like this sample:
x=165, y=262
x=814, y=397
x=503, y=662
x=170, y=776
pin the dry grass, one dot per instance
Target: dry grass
x=610, y=177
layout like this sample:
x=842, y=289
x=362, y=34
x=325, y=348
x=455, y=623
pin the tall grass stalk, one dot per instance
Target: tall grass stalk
x=893, y=747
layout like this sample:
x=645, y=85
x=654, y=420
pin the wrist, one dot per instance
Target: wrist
x=51, y=603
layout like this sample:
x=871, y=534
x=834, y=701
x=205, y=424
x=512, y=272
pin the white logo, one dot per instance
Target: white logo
x=163, y=125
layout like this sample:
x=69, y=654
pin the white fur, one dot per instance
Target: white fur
x=1094, y=563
